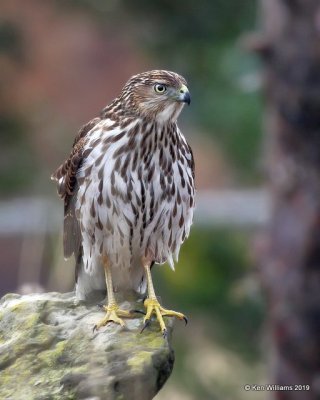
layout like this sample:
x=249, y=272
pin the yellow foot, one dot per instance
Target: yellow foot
x=153, y=306
x=113, y=314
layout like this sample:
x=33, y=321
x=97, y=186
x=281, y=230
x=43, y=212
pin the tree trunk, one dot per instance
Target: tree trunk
x=290, y=266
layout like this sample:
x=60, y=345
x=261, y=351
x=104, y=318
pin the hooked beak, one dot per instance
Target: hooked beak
x=184, y=95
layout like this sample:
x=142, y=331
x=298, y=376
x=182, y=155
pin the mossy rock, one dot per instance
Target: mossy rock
x=48, y=351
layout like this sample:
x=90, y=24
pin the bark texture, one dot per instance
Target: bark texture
x=290, y=48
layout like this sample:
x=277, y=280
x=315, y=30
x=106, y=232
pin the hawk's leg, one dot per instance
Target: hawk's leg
x=113, y=312
x=153, y=306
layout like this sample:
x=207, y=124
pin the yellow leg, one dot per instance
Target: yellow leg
x=113, y=312
x=153, y=306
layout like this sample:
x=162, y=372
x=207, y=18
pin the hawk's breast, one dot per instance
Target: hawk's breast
x=136, y=196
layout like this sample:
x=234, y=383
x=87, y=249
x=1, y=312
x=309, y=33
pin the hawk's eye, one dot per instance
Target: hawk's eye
x=159, y=88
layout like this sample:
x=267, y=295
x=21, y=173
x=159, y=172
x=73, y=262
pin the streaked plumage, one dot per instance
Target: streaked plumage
x=128, y=184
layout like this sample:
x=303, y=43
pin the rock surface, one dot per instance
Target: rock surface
x=48, y=351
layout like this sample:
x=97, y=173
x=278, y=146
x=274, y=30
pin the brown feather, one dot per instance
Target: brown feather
x=68, y=187
x=191, y=162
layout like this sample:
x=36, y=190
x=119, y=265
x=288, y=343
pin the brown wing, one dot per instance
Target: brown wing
x=66, y=176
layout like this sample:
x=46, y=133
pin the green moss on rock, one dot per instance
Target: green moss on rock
x=49, y=351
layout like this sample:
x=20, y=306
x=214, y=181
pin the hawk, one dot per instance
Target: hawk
x=128, y=191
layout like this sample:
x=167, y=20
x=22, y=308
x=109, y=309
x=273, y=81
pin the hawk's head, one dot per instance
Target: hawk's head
x=156, y=94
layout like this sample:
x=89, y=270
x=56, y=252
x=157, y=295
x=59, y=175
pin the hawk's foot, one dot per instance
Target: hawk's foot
x=113, y=314
x=153, y=307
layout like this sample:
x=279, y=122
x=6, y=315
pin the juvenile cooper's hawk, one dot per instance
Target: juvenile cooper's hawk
x=128, y=190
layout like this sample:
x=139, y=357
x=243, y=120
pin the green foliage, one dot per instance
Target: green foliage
x=210, y=279
x=11, y=42
x=17, y=162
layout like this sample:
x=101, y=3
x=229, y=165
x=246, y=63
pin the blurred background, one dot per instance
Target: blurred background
x=61, y=62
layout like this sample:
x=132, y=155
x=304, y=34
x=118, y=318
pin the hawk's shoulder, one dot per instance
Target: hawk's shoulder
x=65, y=175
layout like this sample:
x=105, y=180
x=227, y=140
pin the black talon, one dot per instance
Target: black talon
x=165, y=334
x=185, y=319
x=146, y=324
x=95, y=328
x=100, y=305
x=137, y=311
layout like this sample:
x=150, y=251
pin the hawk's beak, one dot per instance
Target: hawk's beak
x=184, y=95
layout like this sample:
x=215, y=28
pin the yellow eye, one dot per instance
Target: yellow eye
x=159, y=88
